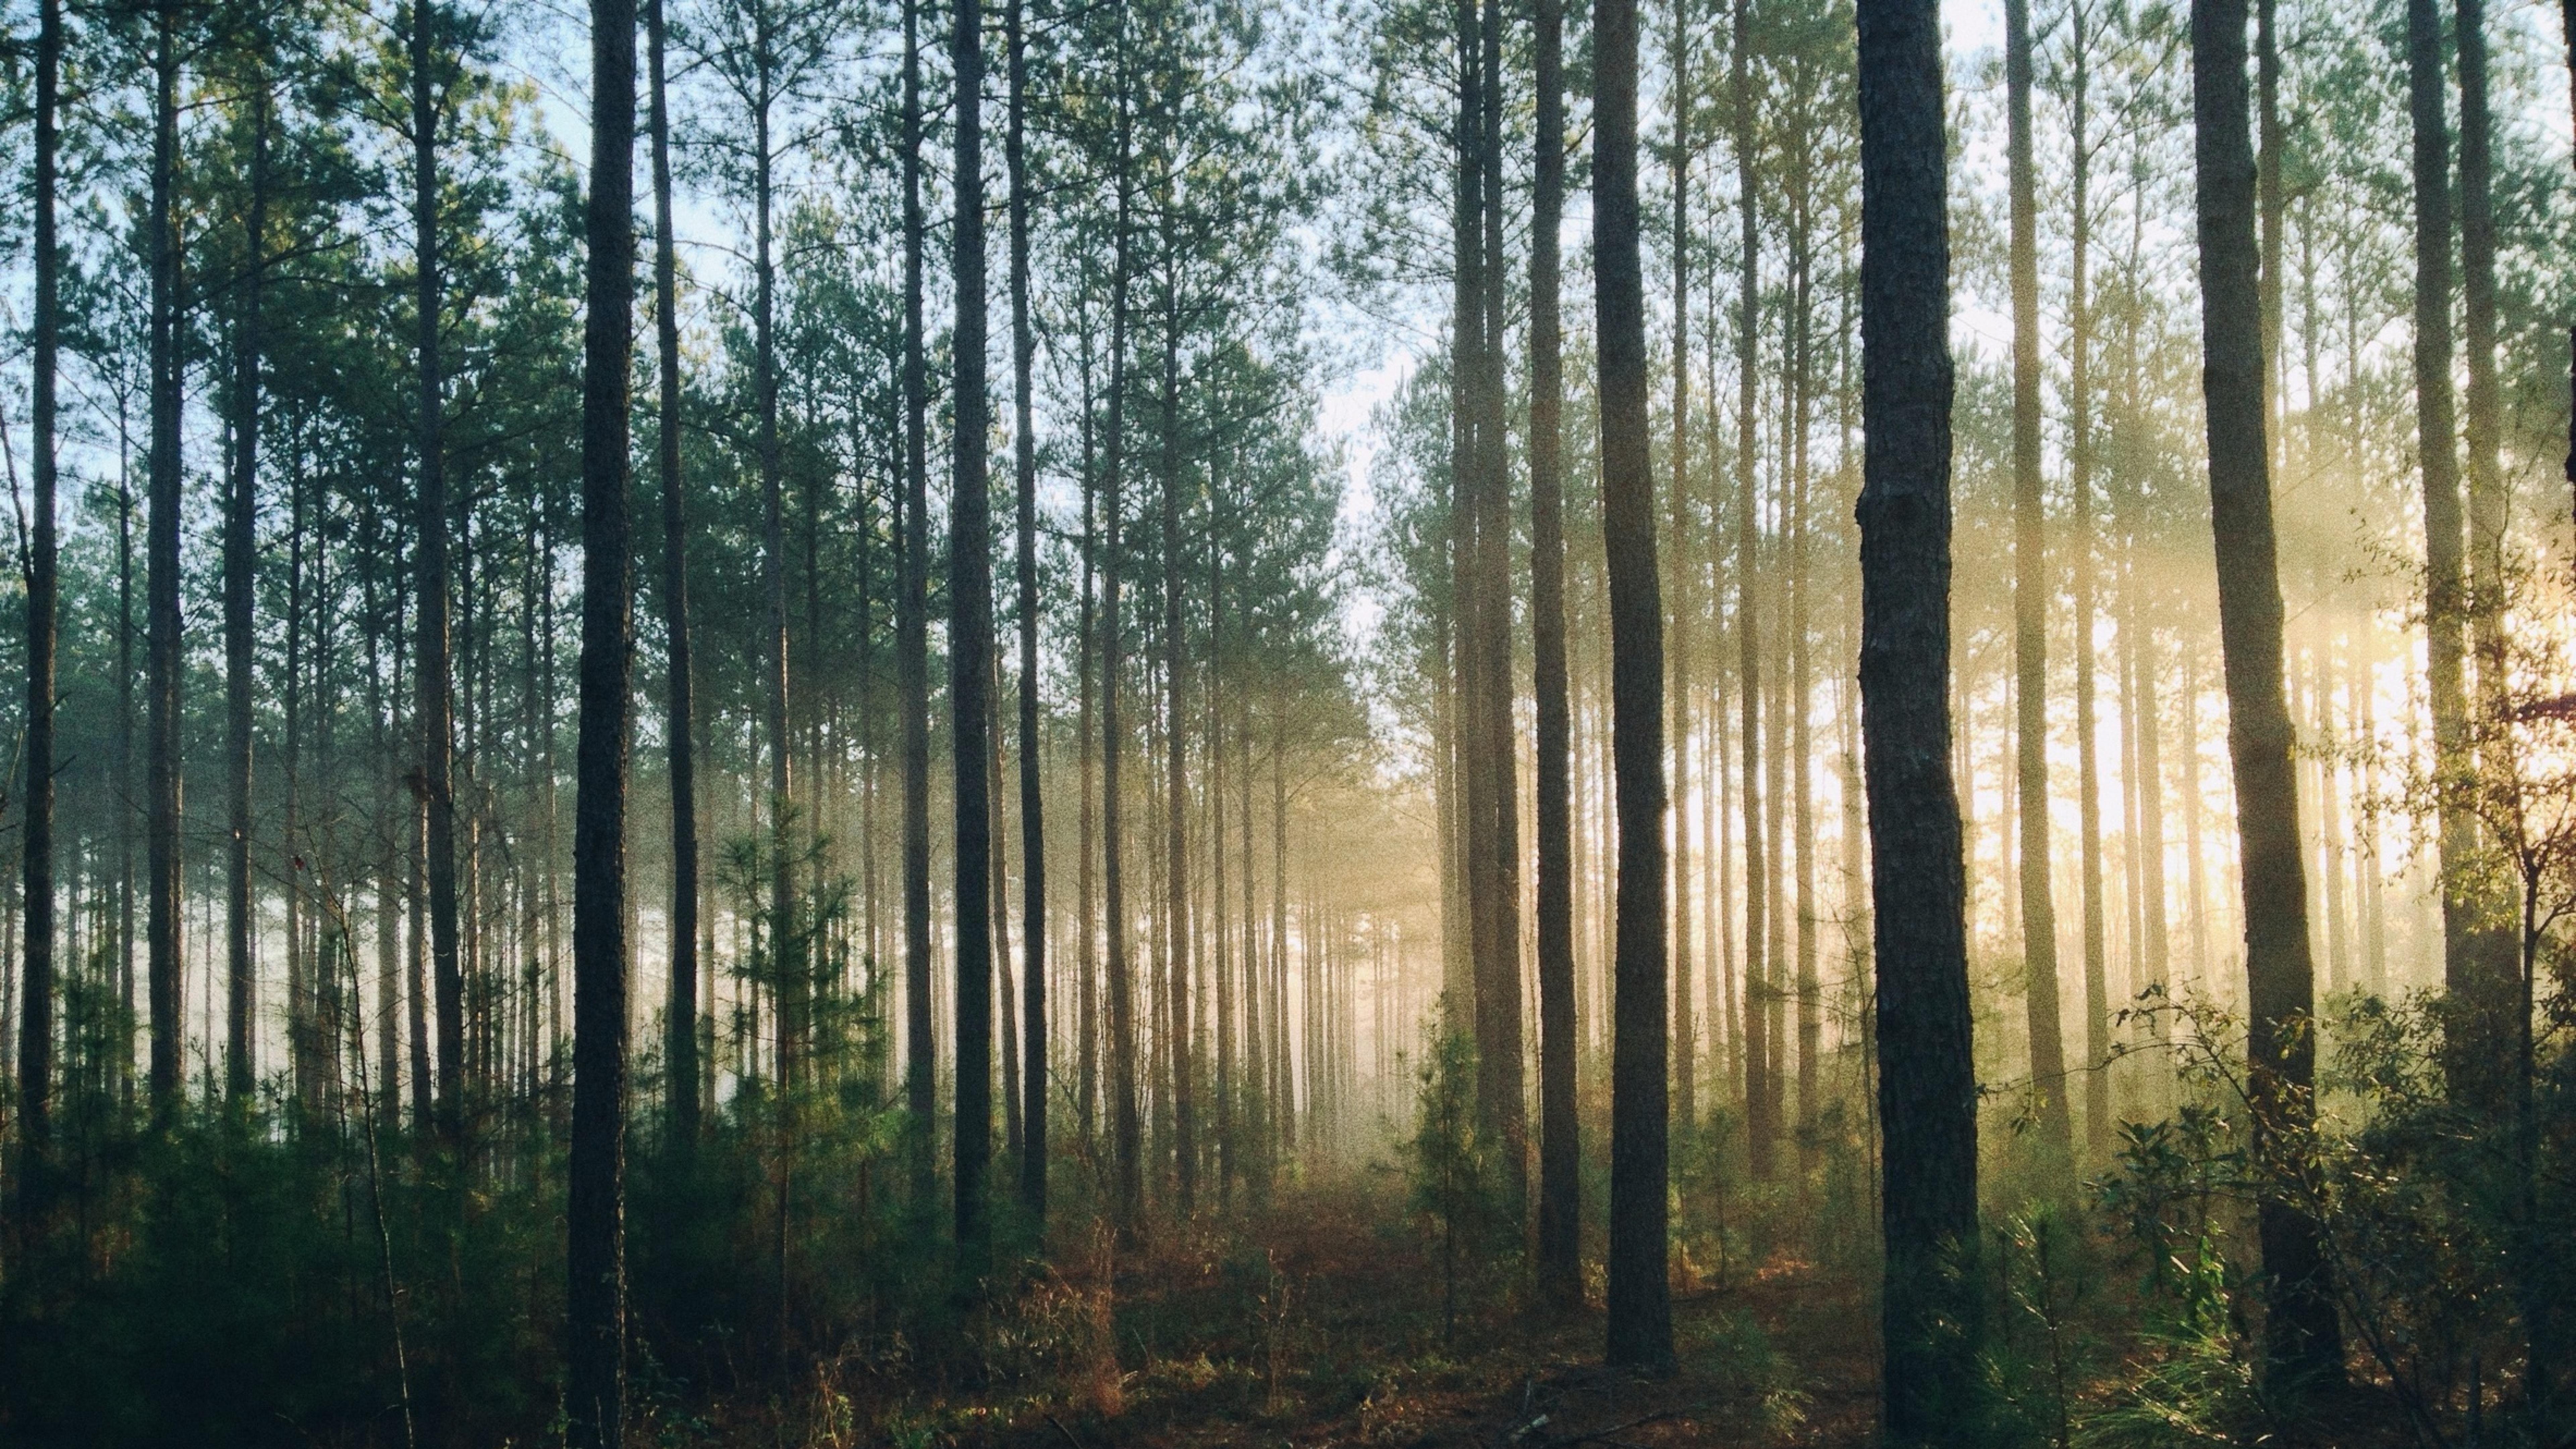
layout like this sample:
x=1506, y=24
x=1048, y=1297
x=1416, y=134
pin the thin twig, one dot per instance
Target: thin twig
x=1603, y=1436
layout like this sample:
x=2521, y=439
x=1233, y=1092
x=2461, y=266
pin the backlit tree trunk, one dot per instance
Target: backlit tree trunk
x=1927, y=1081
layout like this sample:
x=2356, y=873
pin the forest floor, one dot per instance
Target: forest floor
x=1325, y=1323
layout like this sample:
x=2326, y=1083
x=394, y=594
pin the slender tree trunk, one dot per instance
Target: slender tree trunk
x=241, y=561
x=1006, y=1000
x=1469, y=802
x=1685, y=556
x=1024, y=458
x=2031, y=590
x=1498, y=986
x=787, y=957
x=2468, y=972
x=680, y=706
x=1257, y=1103
x=2484, y=415
x=2302, y=1337
x=1128, y=1196
x=124, y=775
x=1927, y=1082
x=161, y=578
x=912, y=651
x=430, y=654
x=970, y=659
x=595, y=1263
x=1282, y=1078
x=1220, y=957
x=1640, y=1303
x=1799, y=678
x=1760, y=1128
x=1560, y=1204
x=1178, y=968
x=36, y=1009
x=310, y=982
x=2079, y=465
x=2268, y=203
x=1087, y=653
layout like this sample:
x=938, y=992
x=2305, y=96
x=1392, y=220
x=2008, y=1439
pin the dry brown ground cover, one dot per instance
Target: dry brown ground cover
x=1321, y=1322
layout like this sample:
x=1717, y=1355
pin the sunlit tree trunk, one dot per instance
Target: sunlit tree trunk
x=2079, y=468
x=1005, y=998
x=1181, y=1047
x=1283, y=1089
x=1498, y=985
x=2302, y=1337
x=1217, y=948
x=1759, y=1125
x=1798, y=677
x=2031, y=591
x=2468, y=970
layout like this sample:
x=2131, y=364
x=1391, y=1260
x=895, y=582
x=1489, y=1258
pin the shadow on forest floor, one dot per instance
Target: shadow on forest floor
x=1321, y=1323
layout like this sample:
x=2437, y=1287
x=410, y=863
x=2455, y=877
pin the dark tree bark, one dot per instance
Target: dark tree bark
x=122, y=1066
x=1468, y=798
x=2268, y=198
x=787, y=955
x=1220, y=954
x=912, y=651
x=1498, y=987
x=1760, y=1127
x=36, y=1010
x=1180, y=1039
x=2031, y=590
x=161, y=581
x=1128, y=1193
x=1685, y=1029
x=241, y=563
x=595, y=1211
x=1086, y=730
x=1927, y=1080
x=1560, y=1217
x=1798, y=676
x=1024, y=467
x=436, y=706
x=970, y=661
x=2302, y=1339
x=2469, y=971
x=2079, y=470
x=2483, y=424
x=1640, y=1302
x=679, y=718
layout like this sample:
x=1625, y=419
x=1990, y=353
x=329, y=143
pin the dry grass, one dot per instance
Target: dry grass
x=1319, y=1323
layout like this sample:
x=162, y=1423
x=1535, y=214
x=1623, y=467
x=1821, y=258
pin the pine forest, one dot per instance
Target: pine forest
x=1280, y=723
